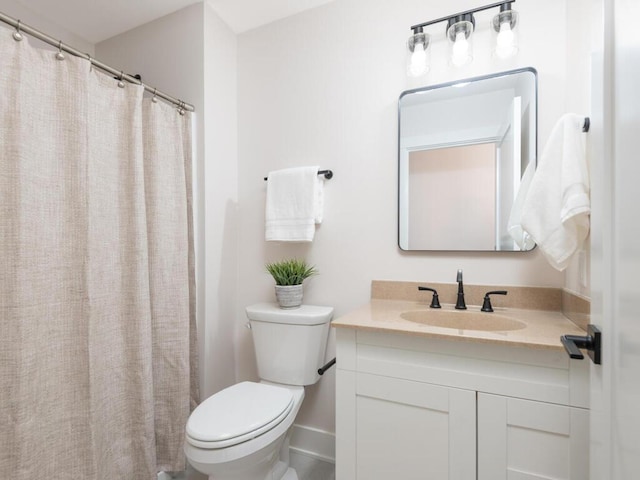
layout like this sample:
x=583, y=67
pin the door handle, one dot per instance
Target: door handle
x=592, y=342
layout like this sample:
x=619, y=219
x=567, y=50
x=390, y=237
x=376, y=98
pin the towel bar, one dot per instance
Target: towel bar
x=328, y=174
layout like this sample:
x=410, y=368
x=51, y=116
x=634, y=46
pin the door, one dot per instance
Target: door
x=527, y=440
x=508, y=173
x=615, y=250
x=414, y=431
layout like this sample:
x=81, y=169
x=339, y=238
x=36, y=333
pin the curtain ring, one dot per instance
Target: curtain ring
x=181, y=107
x=17, y=36
x=90, y=62
x=154, y=99
x=120, y=82
x=60, y=55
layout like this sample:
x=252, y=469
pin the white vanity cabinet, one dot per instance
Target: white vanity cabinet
x=415, y=407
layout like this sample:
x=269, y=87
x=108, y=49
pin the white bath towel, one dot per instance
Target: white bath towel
x=557, y=206
x=294, y=204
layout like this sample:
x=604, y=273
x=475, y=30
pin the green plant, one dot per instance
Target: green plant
x=290, y=272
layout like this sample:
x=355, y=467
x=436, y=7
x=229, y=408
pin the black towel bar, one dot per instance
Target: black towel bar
x=328, y=174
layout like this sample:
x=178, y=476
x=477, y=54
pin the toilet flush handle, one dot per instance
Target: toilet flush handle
x=248, y=325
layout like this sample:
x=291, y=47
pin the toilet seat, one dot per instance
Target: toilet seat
x=237, y=414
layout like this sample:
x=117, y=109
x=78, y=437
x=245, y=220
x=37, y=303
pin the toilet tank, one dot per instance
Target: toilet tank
x=290, y=344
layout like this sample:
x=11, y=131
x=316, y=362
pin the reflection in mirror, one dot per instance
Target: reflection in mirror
x=463, y=148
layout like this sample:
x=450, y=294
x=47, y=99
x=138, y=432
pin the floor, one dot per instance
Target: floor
x=308, y=468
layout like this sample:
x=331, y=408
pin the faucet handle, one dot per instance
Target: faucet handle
x=486, y=305
x=435, y=301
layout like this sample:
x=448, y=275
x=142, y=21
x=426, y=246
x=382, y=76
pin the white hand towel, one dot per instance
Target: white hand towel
x=557, y=207
x=294, y=204
x=514, y=226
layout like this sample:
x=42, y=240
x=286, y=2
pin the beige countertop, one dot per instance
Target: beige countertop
x=540, y=329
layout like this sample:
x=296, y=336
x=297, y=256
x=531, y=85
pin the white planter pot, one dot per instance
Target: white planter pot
x=289, y=296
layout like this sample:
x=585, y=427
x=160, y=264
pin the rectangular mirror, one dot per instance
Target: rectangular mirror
x=462, y=150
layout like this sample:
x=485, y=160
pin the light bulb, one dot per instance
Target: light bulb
x=418, y=60
x=506, y=39
x=505, y=45
x=460, y=50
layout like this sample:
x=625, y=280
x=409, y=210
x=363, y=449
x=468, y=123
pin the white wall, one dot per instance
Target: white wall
x=221, y=202
x=580, y=36
x=18, y=11
x=322, y=88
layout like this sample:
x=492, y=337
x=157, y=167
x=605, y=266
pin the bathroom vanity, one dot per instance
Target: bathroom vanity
x=420, y=400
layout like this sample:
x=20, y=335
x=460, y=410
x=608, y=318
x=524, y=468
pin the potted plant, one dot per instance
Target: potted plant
x=289, y=275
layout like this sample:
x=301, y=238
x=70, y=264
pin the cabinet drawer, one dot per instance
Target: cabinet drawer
x=541, y=375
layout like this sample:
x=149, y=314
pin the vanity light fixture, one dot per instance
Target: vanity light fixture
x=504, y=24
x=460, y=28
x=418, y=60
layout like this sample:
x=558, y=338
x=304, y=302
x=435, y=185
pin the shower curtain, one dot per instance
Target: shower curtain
x=97, y=332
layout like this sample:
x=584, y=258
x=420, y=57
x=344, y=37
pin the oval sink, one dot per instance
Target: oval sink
x=463, y=320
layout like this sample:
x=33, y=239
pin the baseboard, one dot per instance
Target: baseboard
x=314, y=443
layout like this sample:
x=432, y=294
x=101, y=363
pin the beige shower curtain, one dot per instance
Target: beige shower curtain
x=97, y=332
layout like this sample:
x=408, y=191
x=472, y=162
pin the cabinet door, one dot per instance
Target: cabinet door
x=410, y=430
x=527, y=440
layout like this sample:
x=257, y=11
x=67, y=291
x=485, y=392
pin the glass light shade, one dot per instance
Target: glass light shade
x=418, y=58
x=461, y=48
x=504, y=25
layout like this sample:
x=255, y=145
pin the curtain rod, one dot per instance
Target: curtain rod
x=21, y=27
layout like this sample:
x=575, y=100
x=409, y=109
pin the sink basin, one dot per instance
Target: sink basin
x=464, y=320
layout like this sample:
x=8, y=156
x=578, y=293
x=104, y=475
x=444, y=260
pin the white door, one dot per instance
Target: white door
x=615, y=240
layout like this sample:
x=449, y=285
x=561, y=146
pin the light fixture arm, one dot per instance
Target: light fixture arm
x=503, y=6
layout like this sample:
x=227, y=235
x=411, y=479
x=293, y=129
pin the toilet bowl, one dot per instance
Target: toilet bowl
x=243, y=431
x=246, y=443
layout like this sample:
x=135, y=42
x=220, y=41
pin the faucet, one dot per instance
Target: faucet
x=460, y=305
x=435, y=301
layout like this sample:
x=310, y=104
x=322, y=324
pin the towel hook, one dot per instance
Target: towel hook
x=587, y=124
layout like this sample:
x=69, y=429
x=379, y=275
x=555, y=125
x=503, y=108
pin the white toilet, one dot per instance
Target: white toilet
x=242, y=432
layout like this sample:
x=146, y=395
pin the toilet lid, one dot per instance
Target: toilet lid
x=238, y=413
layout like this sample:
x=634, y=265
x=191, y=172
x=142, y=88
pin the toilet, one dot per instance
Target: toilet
x=243, y=431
